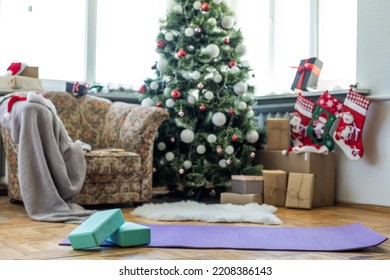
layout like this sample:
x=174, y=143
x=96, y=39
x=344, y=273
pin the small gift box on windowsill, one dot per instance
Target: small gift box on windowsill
x=300, y=189
x=77, y=88
x=307, y=74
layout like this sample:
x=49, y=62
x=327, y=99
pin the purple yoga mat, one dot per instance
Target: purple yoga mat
x=340, y=238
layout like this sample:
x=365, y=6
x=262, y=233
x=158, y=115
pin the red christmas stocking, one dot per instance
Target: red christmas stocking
x=348, y=134
x=300, y=120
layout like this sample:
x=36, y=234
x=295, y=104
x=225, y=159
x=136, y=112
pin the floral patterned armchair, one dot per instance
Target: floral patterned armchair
x=120, y=165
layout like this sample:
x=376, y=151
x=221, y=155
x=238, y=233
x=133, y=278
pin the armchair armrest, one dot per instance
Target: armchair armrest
x=138, y=133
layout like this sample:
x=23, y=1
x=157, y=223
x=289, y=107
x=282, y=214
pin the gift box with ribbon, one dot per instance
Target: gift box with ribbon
x=307, y=74
x=300, y=189
x=77, y=88
x=275, y=187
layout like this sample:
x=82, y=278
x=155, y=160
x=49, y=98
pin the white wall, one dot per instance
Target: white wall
x=368, y=181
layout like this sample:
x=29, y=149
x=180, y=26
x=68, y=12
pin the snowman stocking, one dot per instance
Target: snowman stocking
x=323, y=118
x=348, y=134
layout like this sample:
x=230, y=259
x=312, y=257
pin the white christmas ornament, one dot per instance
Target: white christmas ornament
x=240, y=88
x=209, y=95
x=169, y=156
x=161, y=146
x=242, y=105
x=252, y=136
x=217, y=78
x=187, y=164
x=201, y=149
x=187, y=136
x=229, y=150
x=178, y=9
x=241, y=49
x=195, y=75
x=250, y=114
x=219, y=119
x=168, y=36
x=147, y=102
x=167, y=91
x=186, y=75
x=189, y=31
x=212, y=50
x=234, y=70
x=222, y=163
x=197, y=5
x=212, y=21
x=211, y=138
x=161, y=64
x=227, y=22
x=153, y=85
x=170, y=103
x=191, y=99
x=217, y=1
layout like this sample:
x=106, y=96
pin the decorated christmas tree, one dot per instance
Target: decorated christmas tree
x=204, y=84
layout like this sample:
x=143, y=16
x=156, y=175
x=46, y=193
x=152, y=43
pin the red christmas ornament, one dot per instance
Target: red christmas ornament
x=202, y=107
x=234, y=137
x=181, y=53
x=159, y=104
x=175, y=94
x=160, y=44
x=204, y=7
x=232, y=112
x=142, y=89
x=232, y=63
x=227, y=40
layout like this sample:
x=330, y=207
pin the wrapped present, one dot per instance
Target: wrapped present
x=275, y=187
x=240, y=199
x=247, y=184
x=322, y=166
x=278, y=133
x=307, y=74
x=77, y=88
x=300, y=189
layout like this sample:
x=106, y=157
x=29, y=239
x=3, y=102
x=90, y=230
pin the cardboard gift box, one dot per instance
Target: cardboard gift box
x=20, y=82
x=247, y=184
x=240, y=199
x=300, y=188
x=307, y=74
x=30, y=71
x=322, y=166
x=278, y=133
x=275, y=187
x=76, y=88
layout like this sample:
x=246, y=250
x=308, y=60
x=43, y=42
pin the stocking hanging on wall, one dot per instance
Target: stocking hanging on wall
x=323, y=118
x=348, y=134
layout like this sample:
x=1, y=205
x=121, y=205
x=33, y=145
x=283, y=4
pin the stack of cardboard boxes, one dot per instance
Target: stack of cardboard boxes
x=304, y=180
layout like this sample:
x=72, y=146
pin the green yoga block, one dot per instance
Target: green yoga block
x=131, y=234
x=97, y=228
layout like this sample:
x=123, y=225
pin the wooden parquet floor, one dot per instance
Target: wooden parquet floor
x=24, y=239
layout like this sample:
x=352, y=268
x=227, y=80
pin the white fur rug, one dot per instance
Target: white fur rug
x=212, y=213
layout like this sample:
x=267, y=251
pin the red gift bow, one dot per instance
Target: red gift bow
x=76, y=86
x=306, y=67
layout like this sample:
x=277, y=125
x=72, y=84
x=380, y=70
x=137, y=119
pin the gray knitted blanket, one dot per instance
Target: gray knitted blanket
x=51, y=167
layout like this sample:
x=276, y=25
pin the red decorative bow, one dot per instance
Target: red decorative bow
x=306, y=67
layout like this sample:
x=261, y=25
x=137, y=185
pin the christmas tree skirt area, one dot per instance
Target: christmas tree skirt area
x=212, y=213
x=330, y=239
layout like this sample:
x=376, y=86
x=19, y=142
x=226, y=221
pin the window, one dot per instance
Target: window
x=45, y=33
x=113, y=41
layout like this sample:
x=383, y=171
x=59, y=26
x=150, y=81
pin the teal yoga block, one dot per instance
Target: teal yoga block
x=97, y=228
x=131, y=234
